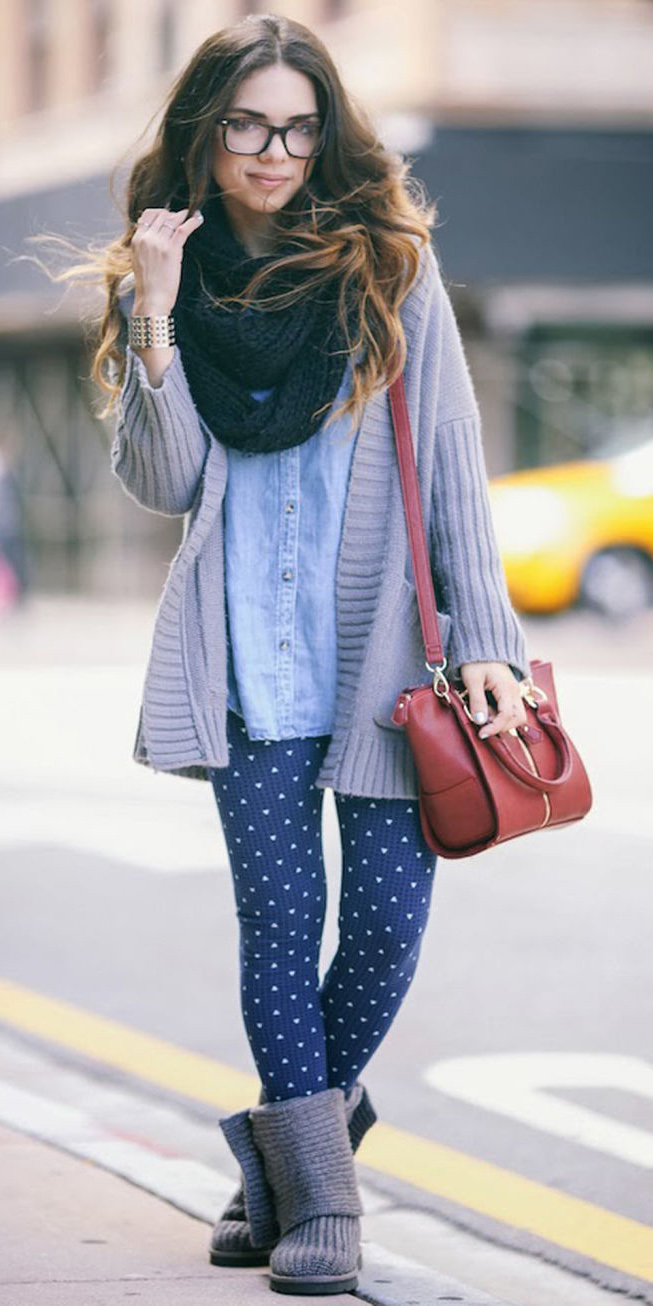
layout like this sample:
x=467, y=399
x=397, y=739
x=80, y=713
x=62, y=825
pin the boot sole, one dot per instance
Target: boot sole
x=316, y=1285
x=255, y=1257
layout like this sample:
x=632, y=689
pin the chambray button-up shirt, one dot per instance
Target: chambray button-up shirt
x=283, y=514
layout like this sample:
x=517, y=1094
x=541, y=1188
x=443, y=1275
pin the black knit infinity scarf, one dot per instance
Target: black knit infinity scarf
x=227, y=352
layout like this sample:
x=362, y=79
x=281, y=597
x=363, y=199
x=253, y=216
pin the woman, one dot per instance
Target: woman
x=288, y=623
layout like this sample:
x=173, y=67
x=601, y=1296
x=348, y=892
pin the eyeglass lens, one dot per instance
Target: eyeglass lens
x=246, y=136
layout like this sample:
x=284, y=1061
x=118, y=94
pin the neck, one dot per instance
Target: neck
x=253, y=230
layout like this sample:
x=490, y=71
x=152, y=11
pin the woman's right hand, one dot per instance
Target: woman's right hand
x=157, y=247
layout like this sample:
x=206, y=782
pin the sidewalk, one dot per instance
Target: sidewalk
x=77, y=1235
x=106, y=1189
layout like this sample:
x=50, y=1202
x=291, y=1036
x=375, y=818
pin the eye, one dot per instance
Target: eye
x=243, y=124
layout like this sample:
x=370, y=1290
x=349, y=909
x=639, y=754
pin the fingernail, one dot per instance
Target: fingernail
x=199, y=215
x=483, y=734
x=480, y=716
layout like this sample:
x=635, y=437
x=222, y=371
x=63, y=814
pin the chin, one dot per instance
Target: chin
x=266, y=203
x=258, y=201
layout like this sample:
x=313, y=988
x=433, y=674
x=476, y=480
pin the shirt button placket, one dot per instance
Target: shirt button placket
x=287, y=590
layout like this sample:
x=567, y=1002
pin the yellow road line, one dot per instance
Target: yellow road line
x=481, y=1186
x=114, y=1044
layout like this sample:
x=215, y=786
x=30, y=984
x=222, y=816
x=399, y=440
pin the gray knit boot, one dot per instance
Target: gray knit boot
x=231, y=1240
x=309, y=1165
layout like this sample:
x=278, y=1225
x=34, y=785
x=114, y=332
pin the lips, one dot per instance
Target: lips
x=263, y=176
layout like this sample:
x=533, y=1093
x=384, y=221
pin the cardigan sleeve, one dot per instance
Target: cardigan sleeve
x=467, y=564
x=160, y=445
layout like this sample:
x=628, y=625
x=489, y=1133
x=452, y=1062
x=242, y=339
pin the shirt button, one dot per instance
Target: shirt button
x=287, y=575
x=284, y=644
x=290, y=507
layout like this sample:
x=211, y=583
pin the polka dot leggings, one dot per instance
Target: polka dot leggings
x=306, y=1037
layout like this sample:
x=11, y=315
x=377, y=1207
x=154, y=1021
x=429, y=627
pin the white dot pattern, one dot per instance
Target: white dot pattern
x=305, y=1036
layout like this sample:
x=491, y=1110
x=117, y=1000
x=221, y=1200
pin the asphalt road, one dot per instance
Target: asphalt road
x=526, y=1040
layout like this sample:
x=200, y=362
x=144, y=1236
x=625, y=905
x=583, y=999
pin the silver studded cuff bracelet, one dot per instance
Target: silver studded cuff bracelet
x=144, y=332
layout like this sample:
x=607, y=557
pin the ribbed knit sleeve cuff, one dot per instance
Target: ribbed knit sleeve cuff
x=465, y=554
x=160, y=447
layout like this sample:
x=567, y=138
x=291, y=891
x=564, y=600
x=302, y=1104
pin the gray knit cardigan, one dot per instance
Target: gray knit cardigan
x=168, y=460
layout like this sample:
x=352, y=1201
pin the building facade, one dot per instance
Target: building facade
x=530, y=123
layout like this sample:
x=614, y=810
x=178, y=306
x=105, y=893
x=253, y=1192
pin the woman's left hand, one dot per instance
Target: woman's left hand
x=497, y=677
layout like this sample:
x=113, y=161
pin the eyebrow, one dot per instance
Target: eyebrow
x=256, y=113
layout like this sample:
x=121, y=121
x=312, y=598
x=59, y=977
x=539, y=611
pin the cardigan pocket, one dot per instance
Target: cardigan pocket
x=403, y=661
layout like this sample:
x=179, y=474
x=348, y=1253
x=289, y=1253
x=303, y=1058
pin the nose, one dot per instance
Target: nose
x=275, y=149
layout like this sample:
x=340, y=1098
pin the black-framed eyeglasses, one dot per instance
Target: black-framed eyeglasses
x=302, y=140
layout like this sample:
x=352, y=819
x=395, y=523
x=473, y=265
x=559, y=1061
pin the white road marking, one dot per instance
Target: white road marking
x=67, y=777
x=154, y=835
x=522, y=1086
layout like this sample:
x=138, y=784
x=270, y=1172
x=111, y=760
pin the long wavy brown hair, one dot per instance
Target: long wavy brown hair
x=360, y=220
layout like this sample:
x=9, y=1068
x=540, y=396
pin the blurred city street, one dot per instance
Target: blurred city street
x=523, y=1043
x=512, y=1156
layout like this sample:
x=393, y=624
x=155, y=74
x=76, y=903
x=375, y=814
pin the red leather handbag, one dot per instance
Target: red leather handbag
x=473, y=792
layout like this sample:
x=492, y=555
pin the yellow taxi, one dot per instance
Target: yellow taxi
x=579, y=533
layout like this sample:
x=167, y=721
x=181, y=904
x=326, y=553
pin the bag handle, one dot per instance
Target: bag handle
x=560, y=741
x=428, y=613
x=504, y=754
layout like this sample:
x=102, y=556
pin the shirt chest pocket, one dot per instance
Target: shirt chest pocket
x=402, y=659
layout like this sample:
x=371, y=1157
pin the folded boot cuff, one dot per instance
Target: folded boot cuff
x=259, y=1197
x=358, y=1109
x=308, y=1157
x=360, y=1114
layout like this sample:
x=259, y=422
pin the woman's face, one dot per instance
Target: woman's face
x=274, y=95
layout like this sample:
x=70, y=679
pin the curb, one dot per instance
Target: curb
x=386, y=1279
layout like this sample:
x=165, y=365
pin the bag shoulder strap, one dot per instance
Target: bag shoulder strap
x=428, y=612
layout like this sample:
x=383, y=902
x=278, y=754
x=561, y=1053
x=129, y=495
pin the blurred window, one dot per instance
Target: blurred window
x=78, y=531
x=330, y=8
x=100, y=22
x=582, y=388
x=38, y=17
x=167, y=34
